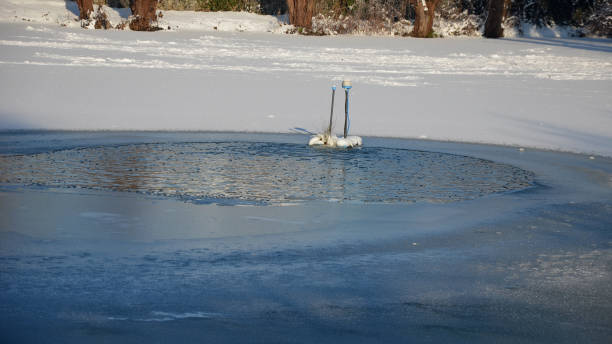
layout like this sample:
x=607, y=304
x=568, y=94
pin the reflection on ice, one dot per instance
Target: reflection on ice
x=266, y=173
x=168, y=316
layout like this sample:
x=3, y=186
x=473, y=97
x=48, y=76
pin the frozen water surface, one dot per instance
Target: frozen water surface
x=95, y=265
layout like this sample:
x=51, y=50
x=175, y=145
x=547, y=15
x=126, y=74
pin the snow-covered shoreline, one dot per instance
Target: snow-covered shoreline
x=65, y=13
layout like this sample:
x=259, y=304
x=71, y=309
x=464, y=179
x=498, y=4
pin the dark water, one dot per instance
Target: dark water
x=267, y=172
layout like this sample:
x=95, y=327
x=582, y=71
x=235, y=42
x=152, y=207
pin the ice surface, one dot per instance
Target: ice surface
x=168, y=316
x=529, y=266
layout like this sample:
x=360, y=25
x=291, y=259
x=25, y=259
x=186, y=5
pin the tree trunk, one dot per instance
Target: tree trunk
x=493, y=25
x=144, y=12
x=424, y=17
x=301, y=12
x=85, y=8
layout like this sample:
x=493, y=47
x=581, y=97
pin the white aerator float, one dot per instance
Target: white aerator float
x=327, y=138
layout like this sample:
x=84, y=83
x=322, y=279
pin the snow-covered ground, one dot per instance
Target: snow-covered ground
x=533, y=92
x=66, y=13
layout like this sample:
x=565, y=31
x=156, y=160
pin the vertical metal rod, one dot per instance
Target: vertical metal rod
x=331, y=115
x=346, y=109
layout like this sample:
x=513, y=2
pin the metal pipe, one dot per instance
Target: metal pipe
x=346, y=108
x=331, y=115
x=346, y=84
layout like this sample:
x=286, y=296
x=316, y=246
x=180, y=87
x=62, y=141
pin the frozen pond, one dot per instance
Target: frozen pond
x=424, y=242
x=267, y=173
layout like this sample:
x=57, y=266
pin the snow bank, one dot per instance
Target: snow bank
x=40, y=11
x=534, y=31
x=223, y=21
x=65, y=13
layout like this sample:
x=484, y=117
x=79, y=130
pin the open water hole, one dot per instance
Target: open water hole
x=266, y=173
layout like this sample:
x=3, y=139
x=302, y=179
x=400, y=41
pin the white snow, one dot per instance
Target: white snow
x=223, y=21
x=325, y=139
x=56, y=12
x=542, y=92
x=535, y=31
x=65, y=13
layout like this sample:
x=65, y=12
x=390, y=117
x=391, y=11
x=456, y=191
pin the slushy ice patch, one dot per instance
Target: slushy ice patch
x=267, y=172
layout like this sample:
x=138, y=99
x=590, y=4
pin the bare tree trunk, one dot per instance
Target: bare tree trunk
x=301, y=12
x=85, y=8
x=144, y=12
x=420, y=23
x=493, y=25
x=423, y=23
